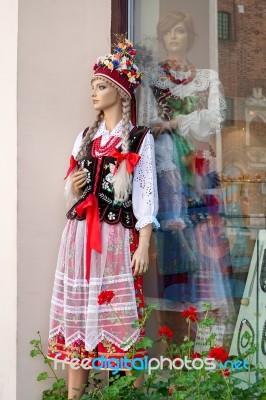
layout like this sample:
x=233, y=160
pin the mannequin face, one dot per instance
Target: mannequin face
x=104, y=95
x=176, y=40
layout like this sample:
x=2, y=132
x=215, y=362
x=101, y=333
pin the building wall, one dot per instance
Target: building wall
x=242, y=60
x=58, y=43
x=8, y=198
x=242, y=68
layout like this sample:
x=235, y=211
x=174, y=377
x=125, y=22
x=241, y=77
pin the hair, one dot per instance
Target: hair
x=170, y=19
x=123, y=180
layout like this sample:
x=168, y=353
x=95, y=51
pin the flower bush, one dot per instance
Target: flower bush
x=180, y=383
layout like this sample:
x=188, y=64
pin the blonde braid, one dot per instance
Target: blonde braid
x=89, y=135
x=123, y=180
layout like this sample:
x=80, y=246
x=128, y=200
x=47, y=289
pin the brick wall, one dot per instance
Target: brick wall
x=242, y=59
x=242, y=66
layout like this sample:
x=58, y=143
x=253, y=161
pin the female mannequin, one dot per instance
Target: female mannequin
x=112, y=165
x=185, y=106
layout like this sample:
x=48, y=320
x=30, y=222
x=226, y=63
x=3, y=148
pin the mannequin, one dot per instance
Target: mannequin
x=106, y=240
x=185, y=107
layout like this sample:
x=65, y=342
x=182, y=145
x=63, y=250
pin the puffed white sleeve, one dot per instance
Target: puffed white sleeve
x=70, y=197
x=144, y=191
x=202, y=123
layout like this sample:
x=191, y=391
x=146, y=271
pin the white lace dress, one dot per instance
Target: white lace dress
x=75, y=313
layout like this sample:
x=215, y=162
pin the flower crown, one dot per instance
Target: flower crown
x=122, y=61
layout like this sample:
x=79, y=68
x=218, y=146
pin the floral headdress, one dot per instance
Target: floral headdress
x=119, y=67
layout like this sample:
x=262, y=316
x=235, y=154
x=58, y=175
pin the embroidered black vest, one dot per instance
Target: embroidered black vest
x=101, y=169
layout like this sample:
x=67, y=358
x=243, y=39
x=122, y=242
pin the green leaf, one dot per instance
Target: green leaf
x=34, y=353
x=207, y=306
x=208, y=322
x=144, y=342
x=59, y=384
x=42, y=376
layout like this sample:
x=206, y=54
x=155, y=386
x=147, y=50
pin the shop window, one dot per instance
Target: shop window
x=224, y=31
x=257, y=130
x=229, y=117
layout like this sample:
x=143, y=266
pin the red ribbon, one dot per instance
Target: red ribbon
x=90, y=207
x=201, y=165
x=131, y=159
x=72, y=164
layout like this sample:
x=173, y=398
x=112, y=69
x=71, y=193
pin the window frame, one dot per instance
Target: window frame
x=220, y=25
x=119, y=17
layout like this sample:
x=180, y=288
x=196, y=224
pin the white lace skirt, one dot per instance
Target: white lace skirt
x=75, y=312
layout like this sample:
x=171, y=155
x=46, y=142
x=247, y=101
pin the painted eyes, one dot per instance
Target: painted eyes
x=101, y=87
x=176, y=31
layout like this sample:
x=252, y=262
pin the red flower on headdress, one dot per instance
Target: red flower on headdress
x=219, y=354
x=190, y=313
x=105, y=297
x=165, y=331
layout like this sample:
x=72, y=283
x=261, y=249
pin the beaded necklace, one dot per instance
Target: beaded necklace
x=172, y=65
x=99, y=151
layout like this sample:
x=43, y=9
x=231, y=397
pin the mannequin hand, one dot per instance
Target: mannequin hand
x=173, y=225
x=79, y=181
x=166, y=126
x=140, y=259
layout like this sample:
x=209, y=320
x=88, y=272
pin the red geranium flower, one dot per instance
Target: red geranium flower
x=226, y=372
x=219, y=354
x=171, y=389
x=105, y=296
x=190, y=313
x=195, y=355
x=176, y=359
x=165, y=331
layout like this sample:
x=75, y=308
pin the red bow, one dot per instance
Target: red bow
x=90, y=207
x=72, y=164
x=131, y=159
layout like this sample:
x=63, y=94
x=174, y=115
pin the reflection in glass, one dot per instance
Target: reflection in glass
x=185, y=107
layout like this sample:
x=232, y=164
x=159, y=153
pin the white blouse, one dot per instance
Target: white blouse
x=144, y=190
x=199, y=124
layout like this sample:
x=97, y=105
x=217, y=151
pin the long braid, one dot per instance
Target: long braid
x=123, y=180
x=89, y=135
x=125, y=123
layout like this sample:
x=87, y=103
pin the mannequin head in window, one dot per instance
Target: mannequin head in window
x=176, y=34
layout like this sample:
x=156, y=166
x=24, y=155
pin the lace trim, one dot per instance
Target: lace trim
x=147, y=220
x=71, y=339
x=69, y=281
x=59, y=330
x=69, y=309
x=200, y=83
x=90, y=344
x=115, y=307
x=113, y=279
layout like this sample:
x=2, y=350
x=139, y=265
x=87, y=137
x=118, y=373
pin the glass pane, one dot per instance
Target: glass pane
x=204, y=99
